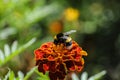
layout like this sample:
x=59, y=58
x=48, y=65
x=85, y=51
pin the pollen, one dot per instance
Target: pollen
x=58, y=60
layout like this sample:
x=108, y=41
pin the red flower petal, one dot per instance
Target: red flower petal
x=72, y=68
x=69, y=64
x=79, y=68
x=52, y=66
x=40, y=68
x=38, y=54
x=50, y=58
x=53, y=76
x=46, y=67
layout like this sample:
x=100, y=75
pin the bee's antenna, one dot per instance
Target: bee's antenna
x=69, y=32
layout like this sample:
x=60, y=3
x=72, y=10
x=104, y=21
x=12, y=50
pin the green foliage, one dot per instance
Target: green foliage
x=41, y=76
x=97, y=76
x=11, y=75
x=23, y=13
x=21, y=76
x=98, y=33
x=9, y=53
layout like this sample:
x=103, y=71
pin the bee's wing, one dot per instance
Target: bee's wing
x=69, y=32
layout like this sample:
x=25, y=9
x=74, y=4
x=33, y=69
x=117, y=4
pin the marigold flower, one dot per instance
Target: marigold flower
x=71, y=14
x=59, y=60
x=56, y=27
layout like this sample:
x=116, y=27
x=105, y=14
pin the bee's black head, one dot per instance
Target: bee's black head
x=60, y=38
x=59, y=35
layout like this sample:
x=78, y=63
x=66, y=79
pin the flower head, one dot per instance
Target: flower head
x=71, y=14
x=59, y=60
x=56, y=27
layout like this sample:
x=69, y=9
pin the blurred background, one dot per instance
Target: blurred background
x=97, y=23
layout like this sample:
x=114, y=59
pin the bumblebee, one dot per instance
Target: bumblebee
x=64, y=38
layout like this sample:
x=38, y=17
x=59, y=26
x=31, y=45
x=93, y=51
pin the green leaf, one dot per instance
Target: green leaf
x=20, y=75
x=12, y=75
x=98, y=75
x=74, y=76
x=29, y=73
x=40, y=12
x=42, y=76
x=18, y=51
x=7, y=32
x=84, y=76
x=6, y=50
x=14, y=46
x=1, y=55
x=7, y=75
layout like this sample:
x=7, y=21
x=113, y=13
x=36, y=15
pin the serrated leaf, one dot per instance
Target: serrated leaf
x=74, y=76
x=20, y=75
x=18, y=51
x=7, y=32
x=84, y=76
x=6, y=50
x=98, y=75
x=39, y=13
x=12, y=75
x=14, y=46
x=29, y=73
x=1, y=55
x=29, y=43
x=42, y=76
x=17, y=78
x=7, y=75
